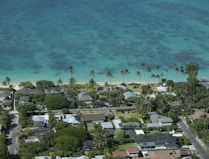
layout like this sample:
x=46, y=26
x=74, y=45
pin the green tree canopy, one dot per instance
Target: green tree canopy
x=27, y=84
x=56, y=101
x=44, y=84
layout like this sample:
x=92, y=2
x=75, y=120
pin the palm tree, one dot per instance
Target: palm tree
x=92, y=73
x=122, y=72
x=92, y=83
x=6, y=82
x=71, y=70
x=148, y=70
x=109, y=75
x=126, y=73
x=153, y=76
x=166, y=70
x=177, y=70
x=143, y=67
x=59, y=82
x=138, y=73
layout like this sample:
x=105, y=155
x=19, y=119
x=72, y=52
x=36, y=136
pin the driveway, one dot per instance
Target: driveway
x=12, y=135
x=200, y=148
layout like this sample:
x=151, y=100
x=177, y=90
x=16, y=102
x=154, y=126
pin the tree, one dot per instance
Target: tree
x=44, y=84
x=119, y=135
x=122, y=72
x=92, y=83
x=102, y=139
x=6, y=81
x=59, y=82
x=192, y=69
x=138, y=73
x=56, y=101
x=4, y=153
x=92, y=73
x=126, y=73
x=71, y=70
x=27, y=84
x=109, y=75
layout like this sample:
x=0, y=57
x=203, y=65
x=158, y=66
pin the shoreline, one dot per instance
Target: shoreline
x=100, y=83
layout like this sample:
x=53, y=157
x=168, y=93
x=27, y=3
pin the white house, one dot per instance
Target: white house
x=69, y=118
x=117, y=123
x=40, y=120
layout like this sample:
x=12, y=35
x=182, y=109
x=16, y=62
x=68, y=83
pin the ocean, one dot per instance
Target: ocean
x=40, y=39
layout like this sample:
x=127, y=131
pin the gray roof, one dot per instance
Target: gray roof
x=85, y=97
x=158, y=139
x=29, y=91
x=43, y=157
x=93, y=117
x=130, y=124
x=4, y=94
x=107, y=125
x=129, y=94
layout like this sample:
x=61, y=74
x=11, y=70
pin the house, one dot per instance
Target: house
x=85, y=97
x=72, y=119
x=133, y=152
x=158, y=120
x=121, y=87
x=4, y=95
x=204, y=82
x=162, y=88
x=31, y=140
x=99, y=157
x=7, y=104
x=117, y=123
x=129, y=94
x=129, y=125
x=40, y=120
x=43, y=157
x=88, y=145
x=56, y=90
x=81, y=157
x=1, y=128
x=104, y=89
x=128, y=153
x=119, y=154
x=130, y=133
x=165, y=154
x=157, y=141
x=93, y=117
x=106, y=125
x=139, y=132
x=25, y=100
x=29, y=91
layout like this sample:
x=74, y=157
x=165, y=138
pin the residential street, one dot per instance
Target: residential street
x=200, y=148
x=11, y=136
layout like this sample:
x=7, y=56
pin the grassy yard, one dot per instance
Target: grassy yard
x=126, y=115
x=123, y=147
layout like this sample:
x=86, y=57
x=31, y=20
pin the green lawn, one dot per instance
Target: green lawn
x=123, y=147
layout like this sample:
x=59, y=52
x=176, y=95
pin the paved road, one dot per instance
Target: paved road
x=12, y=135
x=192, y=137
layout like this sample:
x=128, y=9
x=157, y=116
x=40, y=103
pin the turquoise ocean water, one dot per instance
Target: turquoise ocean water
x=40, y=39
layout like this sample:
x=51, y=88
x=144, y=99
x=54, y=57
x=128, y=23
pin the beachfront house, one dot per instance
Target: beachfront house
x=103, y=89
x=85, y=97
x=129, y=94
